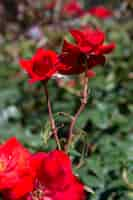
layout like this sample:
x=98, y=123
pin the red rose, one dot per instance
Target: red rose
x=72, y=8
x=71, y=60
x=87, y=52
x=15, y=169
x=100, y=12
x=54, y=178
x=56, y=168
x=41, y=66
x=46, y=176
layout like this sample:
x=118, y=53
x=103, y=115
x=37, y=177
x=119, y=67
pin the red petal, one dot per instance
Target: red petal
x=25, y=64
x=77, y=35
x=24, y=186
x=95, y=37
x=95, y=60
x=69, y=47
x=105, y=49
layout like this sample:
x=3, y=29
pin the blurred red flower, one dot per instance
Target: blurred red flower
x=41, y=66
x=100, y=12
x=72, y=8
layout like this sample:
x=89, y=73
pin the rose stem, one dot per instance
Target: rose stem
x=51, y=118
x=81, y=108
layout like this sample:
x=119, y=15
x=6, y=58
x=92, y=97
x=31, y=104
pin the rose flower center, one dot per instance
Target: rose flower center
x=37, y=194
x=42, y=67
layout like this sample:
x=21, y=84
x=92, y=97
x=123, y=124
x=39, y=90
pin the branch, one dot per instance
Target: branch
x=81, y=108
x=51, y=118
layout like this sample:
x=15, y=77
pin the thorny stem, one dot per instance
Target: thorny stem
x=51, y=118
x=81, y=108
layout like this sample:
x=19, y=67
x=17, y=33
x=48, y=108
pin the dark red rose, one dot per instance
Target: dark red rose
x=88, y=51
x=72, y=60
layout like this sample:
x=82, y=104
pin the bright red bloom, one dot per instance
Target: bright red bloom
x=41, y=66
x=100, y=12
x=46, y=176
x=15, y=169
x=72, y=8
x=54, y=179
x=87, y=52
